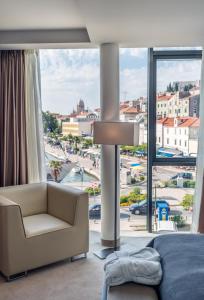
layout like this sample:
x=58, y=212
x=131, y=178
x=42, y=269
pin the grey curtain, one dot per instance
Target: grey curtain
x=13, y=150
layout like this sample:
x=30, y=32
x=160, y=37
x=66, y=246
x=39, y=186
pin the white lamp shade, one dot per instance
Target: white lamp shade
x=116, y=133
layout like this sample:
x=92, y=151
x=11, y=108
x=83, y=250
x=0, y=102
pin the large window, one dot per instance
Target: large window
x=133, y=173
x=162, y=164
x=70, y=101
x=173, y=123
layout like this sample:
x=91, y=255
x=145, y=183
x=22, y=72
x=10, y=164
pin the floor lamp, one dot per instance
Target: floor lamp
x=115, y=133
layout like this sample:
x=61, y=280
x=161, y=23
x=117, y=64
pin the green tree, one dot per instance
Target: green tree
x=187, y=202
x=56, y=167
x=133, y=149
x=176, y=87
x=86, y=143
x=50, y=123
x=137, y=190
x=169, y=88
x=76, y=140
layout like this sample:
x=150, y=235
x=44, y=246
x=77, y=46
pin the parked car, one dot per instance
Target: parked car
x=141, y=207
x=95, y=211
x=186, y=175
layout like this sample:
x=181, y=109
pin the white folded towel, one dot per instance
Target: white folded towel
x=141, y=266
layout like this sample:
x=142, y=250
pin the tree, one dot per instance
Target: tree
x=186, y=88
x=56, y=167
x=169, y=88
x=50, y=123
x=86, y=143
x=187, y=202
x=76, y=140
x=176, y=87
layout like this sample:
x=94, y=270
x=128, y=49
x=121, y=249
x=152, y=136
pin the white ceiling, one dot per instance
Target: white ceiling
x=137, y=23
x=145, y=22
x=39, y=14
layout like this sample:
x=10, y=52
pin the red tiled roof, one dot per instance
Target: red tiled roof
x=166, y=122
x=164, y=97
x=196, y=123
x=122, y=106
x=185, y=122
x=188, y=122
x=129, y=110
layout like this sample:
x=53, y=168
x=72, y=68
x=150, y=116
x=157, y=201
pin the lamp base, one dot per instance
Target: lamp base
x=102, y=254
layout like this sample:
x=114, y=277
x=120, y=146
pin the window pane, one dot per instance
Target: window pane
x=177, y=107
x=133, y=174
x=173, y=193
x=70, y=100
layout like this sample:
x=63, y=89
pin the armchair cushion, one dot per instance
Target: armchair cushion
x=42, y=223
x=63, y=201
x=32, y=198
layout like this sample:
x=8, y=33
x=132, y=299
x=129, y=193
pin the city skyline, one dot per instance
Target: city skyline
x=69, y=75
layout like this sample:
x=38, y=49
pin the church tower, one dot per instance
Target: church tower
x=80, y=106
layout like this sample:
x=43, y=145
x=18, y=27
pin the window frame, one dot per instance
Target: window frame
x=153, y=57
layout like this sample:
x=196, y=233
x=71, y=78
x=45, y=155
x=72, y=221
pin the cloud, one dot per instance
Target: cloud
x=133, y=83
x=67, y=76
x=169, y=71
x=70, y=74
x=136, y=52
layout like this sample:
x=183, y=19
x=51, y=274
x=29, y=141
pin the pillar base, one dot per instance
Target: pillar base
x=109, y=243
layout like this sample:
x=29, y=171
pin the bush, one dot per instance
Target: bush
x=187, y=202
x=165, y=183
x=174, y=182
x=142, y=177
x=189, y=184
x=93, y=190
x=123, y=199
x=136, y=190
x=132, y=197
x=124, y=204
x=179, y=220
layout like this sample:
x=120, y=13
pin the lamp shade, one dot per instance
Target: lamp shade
x=116, y=133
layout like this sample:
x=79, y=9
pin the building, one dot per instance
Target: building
x=178, y=104
x=178, y=133
x=163, y=104
x=80, y=124
x=80, y=106
x=76, y=128
x=129, y=113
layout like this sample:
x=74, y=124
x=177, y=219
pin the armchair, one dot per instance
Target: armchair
x=40, y=224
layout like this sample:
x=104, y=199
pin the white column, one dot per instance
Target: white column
x=109, y=89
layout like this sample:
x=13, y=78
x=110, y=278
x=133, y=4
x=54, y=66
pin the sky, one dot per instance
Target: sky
x=68, y=75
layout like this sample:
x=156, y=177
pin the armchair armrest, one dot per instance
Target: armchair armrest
x=66, y=203
x=5, y=202
x=11, y=220
x=12, y=233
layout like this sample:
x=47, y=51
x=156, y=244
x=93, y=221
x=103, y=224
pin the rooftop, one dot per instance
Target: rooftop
x=182, y=122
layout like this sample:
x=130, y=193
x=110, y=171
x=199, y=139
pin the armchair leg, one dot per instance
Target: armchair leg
x=75, y=258
x=16, y=276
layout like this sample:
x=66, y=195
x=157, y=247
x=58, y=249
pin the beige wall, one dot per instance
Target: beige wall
x=76, y=128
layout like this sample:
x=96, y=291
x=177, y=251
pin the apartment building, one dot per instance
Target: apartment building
x=179, y=104
x=80, y=124
x=178, y=133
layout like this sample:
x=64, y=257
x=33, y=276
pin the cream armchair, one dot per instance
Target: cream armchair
x=40, y=224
